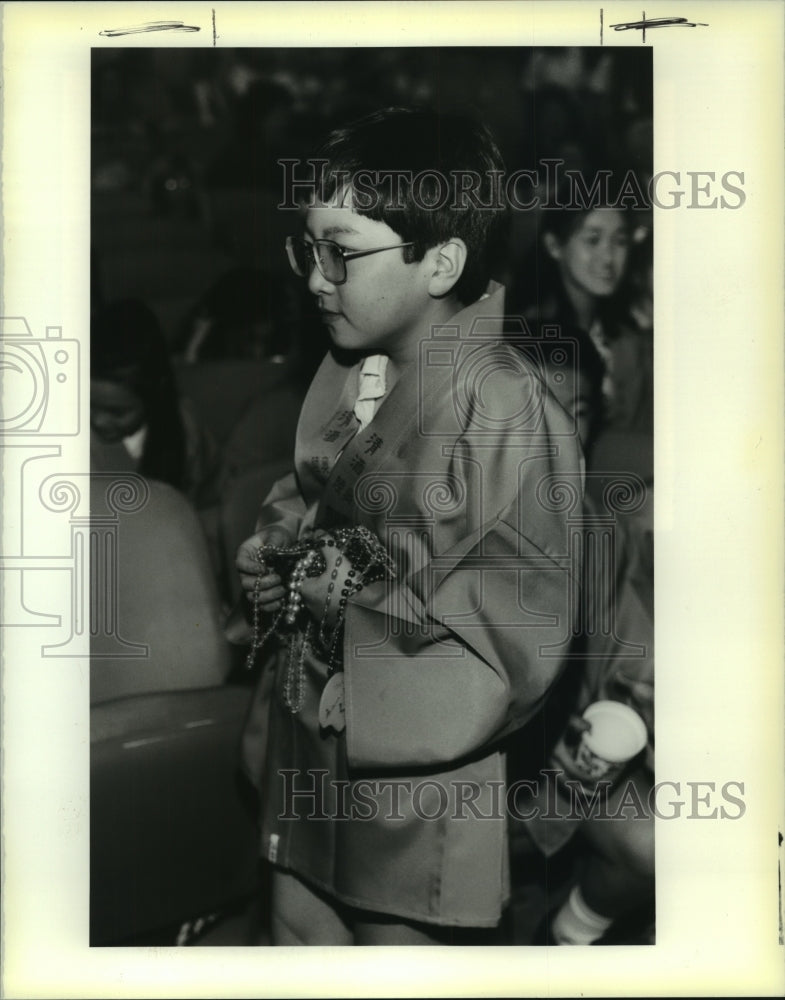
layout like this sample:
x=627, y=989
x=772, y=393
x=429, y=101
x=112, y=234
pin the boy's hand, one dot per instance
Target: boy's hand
x=314, y=590
x=270, y=591
x=564, y=751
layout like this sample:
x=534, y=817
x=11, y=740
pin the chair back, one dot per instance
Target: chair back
x=154, y=594
x=172, y=822
x=220, y=391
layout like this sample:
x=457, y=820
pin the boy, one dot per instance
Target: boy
x=377, y=741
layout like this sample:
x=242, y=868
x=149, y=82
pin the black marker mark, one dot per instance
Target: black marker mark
x=215, y=34
x=140, y=29
x=601, y=24
x=657, y=22
x=779, y=883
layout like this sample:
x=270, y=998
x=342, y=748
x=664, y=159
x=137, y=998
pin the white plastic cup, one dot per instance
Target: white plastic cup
x=616, y=735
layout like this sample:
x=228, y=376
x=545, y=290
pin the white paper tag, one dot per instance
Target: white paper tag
x=331, y=713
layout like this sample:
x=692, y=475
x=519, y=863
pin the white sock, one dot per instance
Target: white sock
x=577, y=923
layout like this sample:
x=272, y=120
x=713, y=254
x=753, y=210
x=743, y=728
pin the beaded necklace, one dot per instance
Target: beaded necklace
x=368, y=561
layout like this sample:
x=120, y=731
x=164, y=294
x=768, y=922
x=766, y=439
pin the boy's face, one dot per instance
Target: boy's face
x=382, y=306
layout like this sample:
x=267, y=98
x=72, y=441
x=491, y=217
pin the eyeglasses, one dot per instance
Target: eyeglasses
x=328, y=257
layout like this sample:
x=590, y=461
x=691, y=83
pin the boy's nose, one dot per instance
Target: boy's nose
x=317, y=283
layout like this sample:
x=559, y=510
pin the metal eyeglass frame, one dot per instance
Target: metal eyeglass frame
x=343, y=255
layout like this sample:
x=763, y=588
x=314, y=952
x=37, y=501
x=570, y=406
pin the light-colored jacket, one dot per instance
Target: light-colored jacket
x=469, y=474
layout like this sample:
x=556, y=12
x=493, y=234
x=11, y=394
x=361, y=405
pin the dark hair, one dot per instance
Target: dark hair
x=565, y=222
x=443, y=150
x=128, y=347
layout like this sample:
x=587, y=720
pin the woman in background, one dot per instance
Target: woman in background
x=583, y=280
x=613, y=888
x=138, y=423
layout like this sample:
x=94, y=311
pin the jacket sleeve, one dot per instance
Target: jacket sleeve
x=283, y=507
x=436, y=671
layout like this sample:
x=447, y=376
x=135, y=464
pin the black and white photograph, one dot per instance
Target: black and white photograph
x=224, y=313
x=330, y=452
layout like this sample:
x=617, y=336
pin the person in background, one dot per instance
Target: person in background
x=246, y=314
x=246, y=351
x=616, y=877
x=591, y=273
x=579, y=278
x=137, y=421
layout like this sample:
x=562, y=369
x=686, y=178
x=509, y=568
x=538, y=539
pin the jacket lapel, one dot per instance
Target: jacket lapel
x=333, y=456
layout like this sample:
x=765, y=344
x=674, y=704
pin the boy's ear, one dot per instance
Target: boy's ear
x=552, y=246
x=447, y=262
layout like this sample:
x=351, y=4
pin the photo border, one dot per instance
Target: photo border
x=718, y=517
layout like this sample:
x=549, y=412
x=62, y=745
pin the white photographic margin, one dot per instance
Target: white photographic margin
x=718, y=508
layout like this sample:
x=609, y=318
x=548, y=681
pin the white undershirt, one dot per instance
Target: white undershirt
x=134, y=443
x=372, y=385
